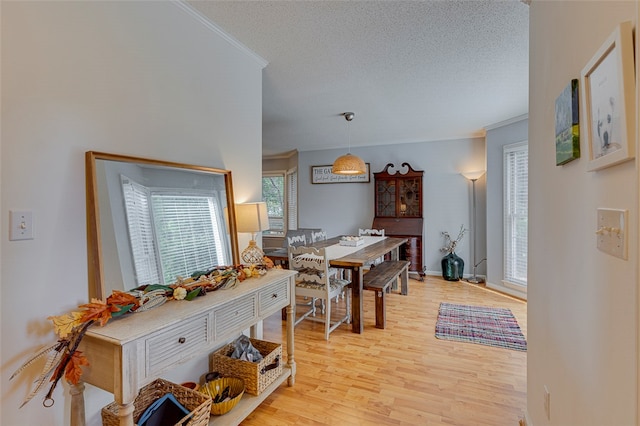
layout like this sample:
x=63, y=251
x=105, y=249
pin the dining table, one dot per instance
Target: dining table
x=353, y=258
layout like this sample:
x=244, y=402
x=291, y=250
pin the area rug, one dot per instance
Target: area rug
x=477, y=324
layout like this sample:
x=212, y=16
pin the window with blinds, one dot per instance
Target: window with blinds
x=292, y=199
x=136, y=198
x=186, y=227
x=516, y=194
x=172, y=234
x=273, y=193
x=280, y=192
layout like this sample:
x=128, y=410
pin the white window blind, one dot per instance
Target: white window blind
x=516, y=196
x=186, y=227
x=273, y=193
x=292, y=199
x=173, y=234
x=280, y=192
x=136, y=199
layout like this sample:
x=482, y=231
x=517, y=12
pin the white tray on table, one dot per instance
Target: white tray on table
x=352, y=241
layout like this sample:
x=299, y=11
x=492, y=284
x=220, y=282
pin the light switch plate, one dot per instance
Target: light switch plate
x=613, y=232
x=21, y=225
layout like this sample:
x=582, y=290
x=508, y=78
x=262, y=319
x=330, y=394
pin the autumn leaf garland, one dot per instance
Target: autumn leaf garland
x=119, y=302
x=64, y=360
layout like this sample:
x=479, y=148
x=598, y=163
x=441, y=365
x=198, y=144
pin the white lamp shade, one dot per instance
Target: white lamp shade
x=252, y=217
x=475, y=175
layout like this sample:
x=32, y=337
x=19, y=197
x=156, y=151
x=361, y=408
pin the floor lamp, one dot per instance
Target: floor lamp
x=473, y=177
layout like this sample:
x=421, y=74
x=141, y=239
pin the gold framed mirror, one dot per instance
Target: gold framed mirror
x=150, y=221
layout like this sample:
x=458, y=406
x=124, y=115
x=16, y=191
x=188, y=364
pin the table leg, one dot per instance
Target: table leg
x=404, y=282
x=125, y=413
x=77, y=404
x=291, y=319
x=395, y=253
x=256, y=330
x=357, y=305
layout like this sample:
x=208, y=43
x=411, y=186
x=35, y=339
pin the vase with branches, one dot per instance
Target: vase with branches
x=452, y=264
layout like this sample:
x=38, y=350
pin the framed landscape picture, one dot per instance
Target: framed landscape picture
x=608, y=100
x=567, y=124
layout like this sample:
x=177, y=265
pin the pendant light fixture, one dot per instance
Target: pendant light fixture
x=349, y=164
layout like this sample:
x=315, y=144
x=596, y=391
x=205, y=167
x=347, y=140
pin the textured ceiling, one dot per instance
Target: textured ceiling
x=411, y=71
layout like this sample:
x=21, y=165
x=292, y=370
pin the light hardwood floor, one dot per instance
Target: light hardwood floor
x=401, y=375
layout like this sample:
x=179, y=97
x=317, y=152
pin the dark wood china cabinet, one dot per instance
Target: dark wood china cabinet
x=398, y=209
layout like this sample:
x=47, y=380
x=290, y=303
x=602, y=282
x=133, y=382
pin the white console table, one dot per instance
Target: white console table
x=132, y=351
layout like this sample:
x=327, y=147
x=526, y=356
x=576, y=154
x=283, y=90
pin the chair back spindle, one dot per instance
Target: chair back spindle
x=318, y=236
x=371, y=232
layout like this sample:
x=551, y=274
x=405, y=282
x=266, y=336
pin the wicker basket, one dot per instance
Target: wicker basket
x=196, y=402
x=256, y=375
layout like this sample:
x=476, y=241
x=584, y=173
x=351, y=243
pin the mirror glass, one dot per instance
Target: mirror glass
x=150, y=221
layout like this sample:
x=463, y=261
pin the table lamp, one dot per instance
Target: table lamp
x=253, y=218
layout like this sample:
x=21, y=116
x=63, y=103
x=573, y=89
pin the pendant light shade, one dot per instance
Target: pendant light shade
x=349, y=164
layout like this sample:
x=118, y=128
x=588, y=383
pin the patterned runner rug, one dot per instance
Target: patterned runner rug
x=478, y=324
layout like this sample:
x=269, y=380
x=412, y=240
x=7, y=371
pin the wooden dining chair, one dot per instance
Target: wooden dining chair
x=318, y=236
x=314, y=281
x=371, y=232
x=295, y=238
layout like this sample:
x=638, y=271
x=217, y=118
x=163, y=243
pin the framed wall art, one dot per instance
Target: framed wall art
x=608, y=90
x=567, y=124
x=323, y=174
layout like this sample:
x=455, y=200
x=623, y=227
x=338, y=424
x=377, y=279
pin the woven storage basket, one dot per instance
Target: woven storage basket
x=256, y=375
x=194, y=401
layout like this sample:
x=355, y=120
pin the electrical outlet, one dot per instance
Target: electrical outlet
x=547, y=403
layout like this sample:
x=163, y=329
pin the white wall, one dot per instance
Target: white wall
x=343, y=208
x=497, y=138
x=140, y=78
x=582, y=303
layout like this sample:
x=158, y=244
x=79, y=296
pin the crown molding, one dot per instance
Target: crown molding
x=190, y=10
x=280, y=156
x=506, y=122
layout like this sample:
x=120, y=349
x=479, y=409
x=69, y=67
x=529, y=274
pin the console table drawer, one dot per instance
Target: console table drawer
x=174, y=344
x=236, y=315
x=273, y=297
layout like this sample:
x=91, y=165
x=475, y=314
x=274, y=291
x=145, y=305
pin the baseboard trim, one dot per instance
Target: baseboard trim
x=527, y=419
x=465, y=276
x=507, y=291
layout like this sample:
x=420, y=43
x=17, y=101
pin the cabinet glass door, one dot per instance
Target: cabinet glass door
x=410, y=197
x=386, y=198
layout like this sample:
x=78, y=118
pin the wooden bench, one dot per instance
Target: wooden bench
x=380, y=279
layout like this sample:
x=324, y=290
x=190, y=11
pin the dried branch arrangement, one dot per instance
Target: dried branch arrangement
x=449, y=243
